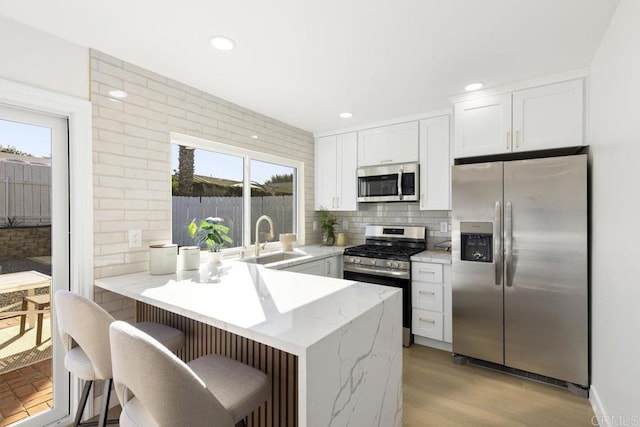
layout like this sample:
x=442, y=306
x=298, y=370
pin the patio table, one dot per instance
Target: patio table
x=23, y=281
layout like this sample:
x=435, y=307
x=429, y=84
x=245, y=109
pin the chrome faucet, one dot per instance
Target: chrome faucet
x=269, y=236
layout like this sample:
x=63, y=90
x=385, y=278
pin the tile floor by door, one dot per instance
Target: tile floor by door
x=436, y=393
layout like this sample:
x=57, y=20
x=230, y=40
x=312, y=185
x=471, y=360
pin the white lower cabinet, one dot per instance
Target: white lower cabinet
x=327, y=267
x=431, y=303
x=427, y=324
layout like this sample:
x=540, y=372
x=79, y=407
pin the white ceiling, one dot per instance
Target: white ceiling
x=303, y=61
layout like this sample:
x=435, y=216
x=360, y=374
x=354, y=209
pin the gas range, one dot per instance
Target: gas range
x=385, y=259
x=387, y=250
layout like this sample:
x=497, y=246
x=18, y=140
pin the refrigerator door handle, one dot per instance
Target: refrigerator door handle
x=400, y=183
x=508, y=243
x=497, y=247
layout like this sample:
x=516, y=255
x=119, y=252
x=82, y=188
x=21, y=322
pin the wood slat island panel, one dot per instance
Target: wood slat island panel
x=281, y=367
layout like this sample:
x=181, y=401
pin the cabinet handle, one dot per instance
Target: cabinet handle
x=508, y=133
x=386, y=161
x=422, y=200
x=422, y=319
x=328, y=267
x=517, y=138
x=333, y=202
x=426, y=293
x=337, y=202
x=427, y=271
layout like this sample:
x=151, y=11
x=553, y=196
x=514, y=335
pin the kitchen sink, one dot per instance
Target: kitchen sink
x=274, y=257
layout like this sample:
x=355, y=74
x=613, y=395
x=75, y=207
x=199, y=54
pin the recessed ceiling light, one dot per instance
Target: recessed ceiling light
x=118, y=94
x=222, y=43
x=346, y=115
x=473, y=86
x=254, y=136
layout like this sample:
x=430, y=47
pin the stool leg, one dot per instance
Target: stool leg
x=83, y=402
x=23, y=317
x=39, y=328
x=106, y=393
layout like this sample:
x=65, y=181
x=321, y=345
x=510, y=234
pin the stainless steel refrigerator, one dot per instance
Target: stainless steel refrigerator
x=520, y=265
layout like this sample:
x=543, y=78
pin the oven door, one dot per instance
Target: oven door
x=401, y=280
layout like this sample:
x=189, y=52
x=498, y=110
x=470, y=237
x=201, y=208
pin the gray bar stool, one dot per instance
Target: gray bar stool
x=156, y=388
x=84, y=328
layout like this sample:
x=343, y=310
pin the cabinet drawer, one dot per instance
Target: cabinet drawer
x=426, y=272
x=427, y=296
x=427, y=324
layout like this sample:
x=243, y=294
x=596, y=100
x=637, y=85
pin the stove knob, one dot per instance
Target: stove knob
x=395, y=264
x=388, y=263
x=356, y=260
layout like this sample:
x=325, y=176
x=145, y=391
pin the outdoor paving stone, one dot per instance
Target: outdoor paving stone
x=13, y=418
x=11, y=407
x=25, y=390
x=36, y=399
x=42, y=384
x=38, y=408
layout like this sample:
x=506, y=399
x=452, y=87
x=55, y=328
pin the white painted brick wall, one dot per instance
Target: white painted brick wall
x=132, y=159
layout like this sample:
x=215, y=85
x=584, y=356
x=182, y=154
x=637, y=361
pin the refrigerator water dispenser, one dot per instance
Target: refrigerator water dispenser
x=476, y=240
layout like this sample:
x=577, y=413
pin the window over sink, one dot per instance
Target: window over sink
x=210, y=179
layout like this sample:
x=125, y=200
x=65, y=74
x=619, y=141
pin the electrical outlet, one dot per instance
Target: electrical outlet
x=345, y=224
x=135, y=238
x=443, y=227
x=315, y=225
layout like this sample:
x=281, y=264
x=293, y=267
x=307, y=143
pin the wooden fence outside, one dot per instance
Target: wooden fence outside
x=279, y=208
x=25, y=194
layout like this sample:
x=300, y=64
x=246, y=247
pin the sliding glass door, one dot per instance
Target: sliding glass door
x=34, y=262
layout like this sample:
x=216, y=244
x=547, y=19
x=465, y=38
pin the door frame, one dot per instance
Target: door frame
x=78, y=113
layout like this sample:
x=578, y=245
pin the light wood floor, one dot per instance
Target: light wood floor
x=438, y=392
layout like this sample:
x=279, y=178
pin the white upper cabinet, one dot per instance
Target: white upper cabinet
x=388, y=144
x=435, y=164
x=548, y=116
x=539, y=118
x=335, y=172
x=483, y=126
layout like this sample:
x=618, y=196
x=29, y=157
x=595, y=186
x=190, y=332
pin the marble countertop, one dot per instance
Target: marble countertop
x=286, y=310
x=436, y=257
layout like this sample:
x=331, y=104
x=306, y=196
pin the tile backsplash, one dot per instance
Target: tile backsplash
x=401, y=213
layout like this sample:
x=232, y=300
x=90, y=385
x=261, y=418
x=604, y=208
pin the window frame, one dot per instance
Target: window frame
x=247, y=155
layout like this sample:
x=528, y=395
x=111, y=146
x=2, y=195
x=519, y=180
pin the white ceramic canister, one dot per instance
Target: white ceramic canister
x=189, y=257
x=287, y=240
x=163, y=258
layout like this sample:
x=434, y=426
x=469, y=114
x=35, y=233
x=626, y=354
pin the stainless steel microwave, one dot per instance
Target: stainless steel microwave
x=389, y=183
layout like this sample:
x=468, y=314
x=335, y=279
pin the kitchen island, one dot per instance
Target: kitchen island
x=332, y=348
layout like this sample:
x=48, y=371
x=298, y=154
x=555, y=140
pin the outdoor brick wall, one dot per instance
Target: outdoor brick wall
x=23, y=242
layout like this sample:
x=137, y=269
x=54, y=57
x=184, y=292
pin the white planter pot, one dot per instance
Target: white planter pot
x=215, y=257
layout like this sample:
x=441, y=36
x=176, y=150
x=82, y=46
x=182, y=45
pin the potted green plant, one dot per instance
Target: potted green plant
x=211, y=232
x=328, y=221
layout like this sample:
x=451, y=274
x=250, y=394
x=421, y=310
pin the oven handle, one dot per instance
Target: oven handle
x=376, y=272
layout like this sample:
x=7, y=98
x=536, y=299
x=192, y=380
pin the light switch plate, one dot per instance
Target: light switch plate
x=443, y=227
